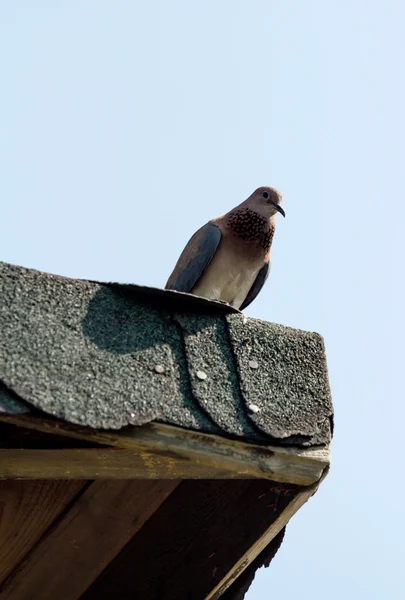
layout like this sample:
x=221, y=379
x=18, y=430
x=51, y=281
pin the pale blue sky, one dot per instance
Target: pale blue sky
x=126, y=125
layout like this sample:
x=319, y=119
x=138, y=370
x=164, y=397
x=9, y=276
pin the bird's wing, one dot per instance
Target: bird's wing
x=257, y=285
x=195, y=258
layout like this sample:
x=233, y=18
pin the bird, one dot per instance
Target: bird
x=228, y=259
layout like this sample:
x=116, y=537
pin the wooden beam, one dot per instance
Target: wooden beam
x=301, y=466
x=103, y=463
x=27, y=508
x=84, y=541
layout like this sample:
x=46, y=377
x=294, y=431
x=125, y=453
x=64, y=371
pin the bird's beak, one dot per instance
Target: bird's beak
x=278, y=207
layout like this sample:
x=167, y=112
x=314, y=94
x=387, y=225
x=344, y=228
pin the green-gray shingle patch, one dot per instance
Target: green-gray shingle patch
x=82, y=352
x=213, y=374
x=284, y=379
x=107, y=356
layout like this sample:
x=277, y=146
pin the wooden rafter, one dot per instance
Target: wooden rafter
x=84, y=540
x=248, y=557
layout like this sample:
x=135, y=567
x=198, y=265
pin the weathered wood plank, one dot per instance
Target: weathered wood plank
x=240, y=587
x=286, y=465
x=259, y=545
x=77, y=549
x=27, y=508
x=193, y=540
x=104, y=463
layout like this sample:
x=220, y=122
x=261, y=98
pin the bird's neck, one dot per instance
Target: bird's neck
x=251, y=227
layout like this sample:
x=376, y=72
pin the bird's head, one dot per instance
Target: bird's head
x=267, y=201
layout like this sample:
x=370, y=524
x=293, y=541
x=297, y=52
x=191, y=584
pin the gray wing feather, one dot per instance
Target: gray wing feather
x=257, y=285
x=195, y=258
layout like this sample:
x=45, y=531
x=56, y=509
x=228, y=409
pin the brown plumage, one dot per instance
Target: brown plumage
x=228, y=259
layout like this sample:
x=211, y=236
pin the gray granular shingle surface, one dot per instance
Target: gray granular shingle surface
x=107, y=356
x=145, y=342
x=289, y=382
x=81, y=352
x=209, y=352
x=183, y=409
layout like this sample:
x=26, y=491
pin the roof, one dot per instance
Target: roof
x=109, y=355
x=166, y=440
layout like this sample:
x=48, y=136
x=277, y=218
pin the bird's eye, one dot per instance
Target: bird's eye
x=265, y=195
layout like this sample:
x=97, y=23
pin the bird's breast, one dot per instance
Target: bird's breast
x=230, y=275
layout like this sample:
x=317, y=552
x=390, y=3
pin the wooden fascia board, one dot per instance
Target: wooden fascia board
x=175, y=452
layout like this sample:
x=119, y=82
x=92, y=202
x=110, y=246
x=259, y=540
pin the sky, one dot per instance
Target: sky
x=125, y=126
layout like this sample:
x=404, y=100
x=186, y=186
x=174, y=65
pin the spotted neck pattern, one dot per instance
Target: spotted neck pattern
x=251, y=227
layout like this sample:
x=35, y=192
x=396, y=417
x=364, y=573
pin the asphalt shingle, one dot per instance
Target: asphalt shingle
x=110, y=355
